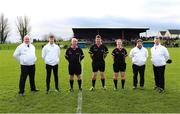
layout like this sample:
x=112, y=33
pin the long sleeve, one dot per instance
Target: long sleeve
x=59, y=52
x=35, y=52
x=166, y=54
x=44, y=52
x=131, y=53
x=17, y=53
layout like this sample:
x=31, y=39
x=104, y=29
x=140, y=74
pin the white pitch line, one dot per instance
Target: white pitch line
x=79, y=106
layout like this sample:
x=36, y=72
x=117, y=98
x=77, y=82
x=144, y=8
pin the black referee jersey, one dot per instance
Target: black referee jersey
x=119, y=55
x=98, y=53
x=74, y=56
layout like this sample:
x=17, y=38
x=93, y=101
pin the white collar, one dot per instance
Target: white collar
x=51, y=44
x=157, y=45
x=138, y=48
x=26, y=44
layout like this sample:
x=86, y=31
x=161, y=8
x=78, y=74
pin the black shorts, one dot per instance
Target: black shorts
x=119, y=67
x=74, y=69
x=98, y=66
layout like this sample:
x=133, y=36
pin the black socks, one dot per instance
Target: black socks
x=71, y=83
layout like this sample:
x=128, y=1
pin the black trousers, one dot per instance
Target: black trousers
x=49, y=68
x=25, y=71
x=136, y=70
x=159, y=76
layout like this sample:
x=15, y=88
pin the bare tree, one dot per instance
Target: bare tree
x=4, y=28
x=23, y=26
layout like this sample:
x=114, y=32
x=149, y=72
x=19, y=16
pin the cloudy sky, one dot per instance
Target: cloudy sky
x=59, y=16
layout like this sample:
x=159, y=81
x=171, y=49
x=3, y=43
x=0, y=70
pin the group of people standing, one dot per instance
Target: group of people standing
x=25, y=54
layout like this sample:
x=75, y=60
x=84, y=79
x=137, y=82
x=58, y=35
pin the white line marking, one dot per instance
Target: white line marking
x=79, y=106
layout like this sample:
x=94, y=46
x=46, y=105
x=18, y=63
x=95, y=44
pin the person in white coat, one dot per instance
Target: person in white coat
x=159, y=58
x=51, y=55
x=139, y=55
x=25, y=54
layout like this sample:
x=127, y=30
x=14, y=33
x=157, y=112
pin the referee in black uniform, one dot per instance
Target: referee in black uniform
x=119, y=54
x=74, y=55
x=98, y=53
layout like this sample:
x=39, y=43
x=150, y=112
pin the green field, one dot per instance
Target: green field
x=105, y=101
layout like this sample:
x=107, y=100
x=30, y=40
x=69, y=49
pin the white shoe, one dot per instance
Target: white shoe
x=104, y=88
x=56, y=90
x=141, y=87
x=91, y=89
x=115, y=89
x=134, y=87
x=21, y=94
x=80, y=89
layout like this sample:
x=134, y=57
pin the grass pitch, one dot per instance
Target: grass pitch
x=109, y=101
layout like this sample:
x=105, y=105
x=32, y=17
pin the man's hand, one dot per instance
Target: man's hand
x=169, y=61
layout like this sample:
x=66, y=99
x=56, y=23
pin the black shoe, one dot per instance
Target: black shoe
x=71, y=90
x=155, y=88
x=47, y=92
x=36, y=90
